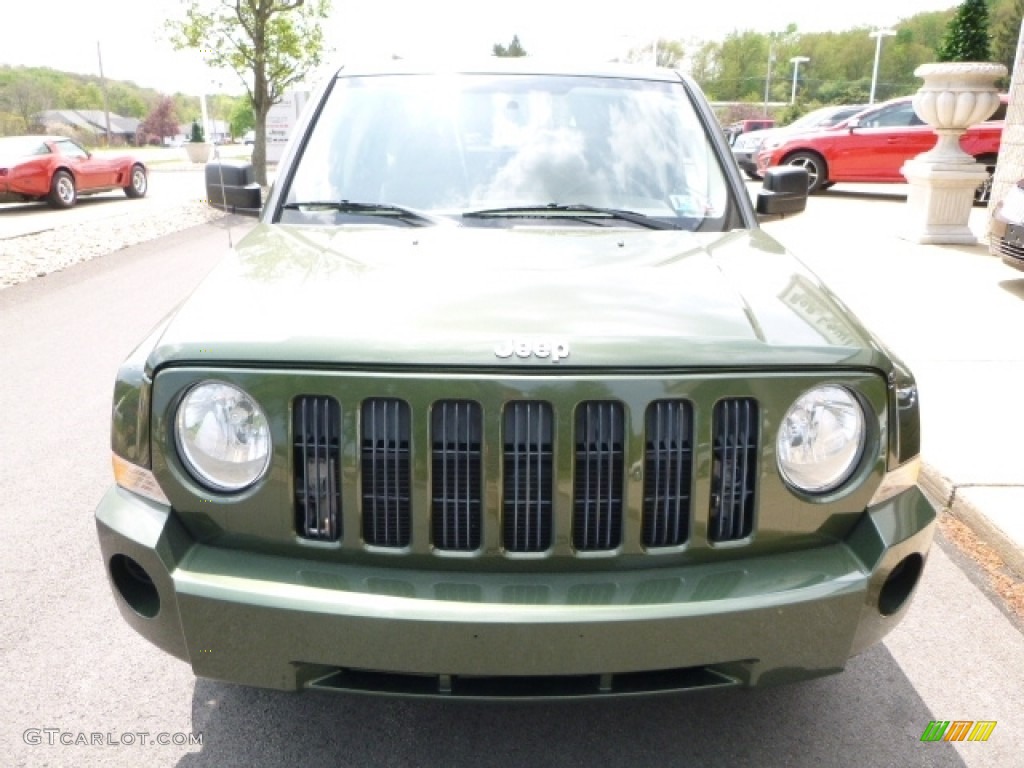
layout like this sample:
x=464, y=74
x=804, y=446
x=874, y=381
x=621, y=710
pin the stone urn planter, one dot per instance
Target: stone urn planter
x=198, y=151
x=943, y=180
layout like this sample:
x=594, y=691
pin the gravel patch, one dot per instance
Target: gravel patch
x=30, y=256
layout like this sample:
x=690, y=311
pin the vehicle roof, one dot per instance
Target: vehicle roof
x=525, y=65
x=34, y=137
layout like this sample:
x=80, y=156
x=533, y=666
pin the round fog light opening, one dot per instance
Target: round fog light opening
x=135, y=586
x=821, y=439
x=899, y=584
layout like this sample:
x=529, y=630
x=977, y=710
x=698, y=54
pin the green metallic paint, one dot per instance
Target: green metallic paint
x=280, y=621
x=444, y=297
x=416, y=313
x=129, y=435
x=261, y=518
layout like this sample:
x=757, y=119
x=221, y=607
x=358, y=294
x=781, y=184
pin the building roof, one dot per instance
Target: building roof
x=90, y=120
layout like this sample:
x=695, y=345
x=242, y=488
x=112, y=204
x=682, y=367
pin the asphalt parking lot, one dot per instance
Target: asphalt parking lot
x=75, y=670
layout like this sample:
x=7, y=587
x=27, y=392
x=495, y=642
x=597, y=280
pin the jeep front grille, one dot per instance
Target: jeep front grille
x=315, y=445
x=734, y=469
x=528, y=453
x=668, y=467
x=597, y=500
x=524, y=476
x=386, y=471
x=456, y=435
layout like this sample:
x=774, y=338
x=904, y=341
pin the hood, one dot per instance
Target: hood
x=520, y=297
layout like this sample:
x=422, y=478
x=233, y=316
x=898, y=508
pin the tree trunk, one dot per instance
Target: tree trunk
x=259, y=147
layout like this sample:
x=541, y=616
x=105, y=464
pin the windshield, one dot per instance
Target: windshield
x=458, y=144
x=17, y=147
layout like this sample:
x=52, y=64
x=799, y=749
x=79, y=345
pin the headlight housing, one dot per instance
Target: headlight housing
x=821, y=439
x=223, y=437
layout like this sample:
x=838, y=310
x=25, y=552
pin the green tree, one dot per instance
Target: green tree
x=742, y=64
x=127, y=102
x=669, y=53
x=270, y=44
x=240, y=118
x=26, y=97
x=513, y=50
x=1007, y=18
x=967, y=34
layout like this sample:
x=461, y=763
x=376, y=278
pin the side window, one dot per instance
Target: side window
x=897, y=115
x=70, y=149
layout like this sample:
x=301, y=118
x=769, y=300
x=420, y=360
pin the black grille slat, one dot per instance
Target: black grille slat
x=386, y=426
x=597, y=498
x=456, y=433
x=734, y=469
x=668, y=472
x=528, y=443
x=315, y=446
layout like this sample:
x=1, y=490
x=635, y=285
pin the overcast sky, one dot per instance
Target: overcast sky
x=134, y=46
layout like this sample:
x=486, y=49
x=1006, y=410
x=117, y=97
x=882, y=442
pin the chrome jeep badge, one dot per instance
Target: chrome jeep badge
x=546, y=349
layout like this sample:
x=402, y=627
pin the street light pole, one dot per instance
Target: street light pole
x=878, y=34
x=768, y=77
x=796, y=61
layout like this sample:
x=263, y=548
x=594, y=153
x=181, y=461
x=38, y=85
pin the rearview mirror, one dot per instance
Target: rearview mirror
x=231, y=186
x=783, y=192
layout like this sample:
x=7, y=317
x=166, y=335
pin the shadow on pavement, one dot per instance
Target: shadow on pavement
x=1014, y=287
x=852, y=193
x=868, y=716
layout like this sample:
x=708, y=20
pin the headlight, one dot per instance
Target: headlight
x=821, y=439
x=223, y=436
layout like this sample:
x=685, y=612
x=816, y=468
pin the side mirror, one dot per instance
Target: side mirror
x=231, y=186
x=784, y=192
x=852, y=123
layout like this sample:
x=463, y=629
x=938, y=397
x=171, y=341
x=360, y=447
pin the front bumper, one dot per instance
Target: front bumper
x=746, y=160
x=286, y=623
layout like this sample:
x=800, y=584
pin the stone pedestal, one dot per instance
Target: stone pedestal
x=955, y=95
x=940, y=199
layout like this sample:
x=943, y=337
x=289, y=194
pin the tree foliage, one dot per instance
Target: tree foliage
x=240, y=118
x=1005, y=25
x=668, y=53
x=840, y=66
x=513, y=50
x=272, y=45
x=26, y=91
x=967, y=36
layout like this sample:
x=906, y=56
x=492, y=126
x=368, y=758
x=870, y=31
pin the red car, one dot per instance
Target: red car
x=57, y=170
x=873, y=145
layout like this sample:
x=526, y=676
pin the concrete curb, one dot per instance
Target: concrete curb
x=943, y=494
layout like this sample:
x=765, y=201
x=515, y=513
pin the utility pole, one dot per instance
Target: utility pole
x=103, y=88
x=796, y=61
x=878, y=34
x=768, y=77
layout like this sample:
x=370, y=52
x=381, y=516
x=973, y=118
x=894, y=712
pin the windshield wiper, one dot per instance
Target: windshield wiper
x=384, y=210
x=541, y=211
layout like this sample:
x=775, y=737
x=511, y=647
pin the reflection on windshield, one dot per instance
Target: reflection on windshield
x=457, y=143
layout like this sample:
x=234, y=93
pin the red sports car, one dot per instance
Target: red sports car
x=57, y=170
x=873, y=146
